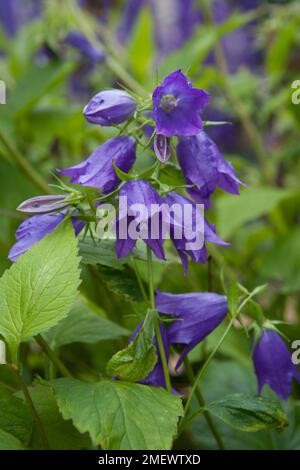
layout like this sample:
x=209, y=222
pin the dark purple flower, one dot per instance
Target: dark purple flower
x=98, y=170
x=110, y=107
x=196, y=230
x=35, y=229
x=273, y=364
x=177, y=106
x=139, y=217
x=84, y=46
x=43, y=204
x=161, y=148
x=196, y=316
x=205, y=167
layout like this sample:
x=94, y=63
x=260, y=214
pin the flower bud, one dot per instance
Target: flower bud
x=43, y=204
x=162, y=148
x=110, y=107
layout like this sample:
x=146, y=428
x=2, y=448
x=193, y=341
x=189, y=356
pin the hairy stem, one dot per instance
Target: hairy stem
x=53, y=356
x=206, y=364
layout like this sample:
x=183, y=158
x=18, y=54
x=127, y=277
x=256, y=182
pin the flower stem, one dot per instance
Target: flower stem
x=157, y=327
x=139, y=279
x=206, y=364
x=52, y=356
x=25, y=166
x=201, y=401
x=31, y=406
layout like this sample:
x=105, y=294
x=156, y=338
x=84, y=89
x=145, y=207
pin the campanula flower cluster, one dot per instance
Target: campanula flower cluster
x=171, y=128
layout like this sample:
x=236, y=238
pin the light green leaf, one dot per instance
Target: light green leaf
x=83, y=325
x=41, y=287
x=120, y=415
x=141, y=47
x=249, y=413
x=136, y=361
x=252, y=203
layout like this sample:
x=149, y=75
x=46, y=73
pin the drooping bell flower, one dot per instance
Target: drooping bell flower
x=196, y=316
x=205, y=167
x=189, y=229
x=139, y=216
x=273, y=364
x=35, y=229
x=177, y=106
x=98, y=170
x=110, y=107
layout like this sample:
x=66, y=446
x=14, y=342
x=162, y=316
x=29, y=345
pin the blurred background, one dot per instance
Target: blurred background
x=55, y=55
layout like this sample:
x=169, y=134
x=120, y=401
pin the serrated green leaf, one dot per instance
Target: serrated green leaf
x=136, y=361
x=249, y=413
x=41, y=287
x=83, y=325
x=120, y=415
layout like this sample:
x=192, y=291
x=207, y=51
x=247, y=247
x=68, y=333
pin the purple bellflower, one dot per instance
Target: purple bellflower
x=110, y=107
x=273, y=364
x=196, y=316
x=205, y=167
x=177, y=106
x=139, y=215
x=35, y=229
x=196, y=230
x=98, y=170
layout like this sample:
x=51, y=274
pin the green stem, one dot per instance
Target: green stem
x=238, y=106
x=30, y=405
x=157, y=327
x=139, y=279
x=201, y=401
x=53, y=356
x=206, y=364
x=25, y=166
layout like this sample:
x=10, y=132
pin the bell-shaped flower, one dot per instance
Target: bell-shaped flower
x=98, y=170
x=273, y=364
x=35, y=229
x=189, y=229
x=196, y=315
x=110, y=107
x=204, y=167
x=177, y=106
x=139, y=216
